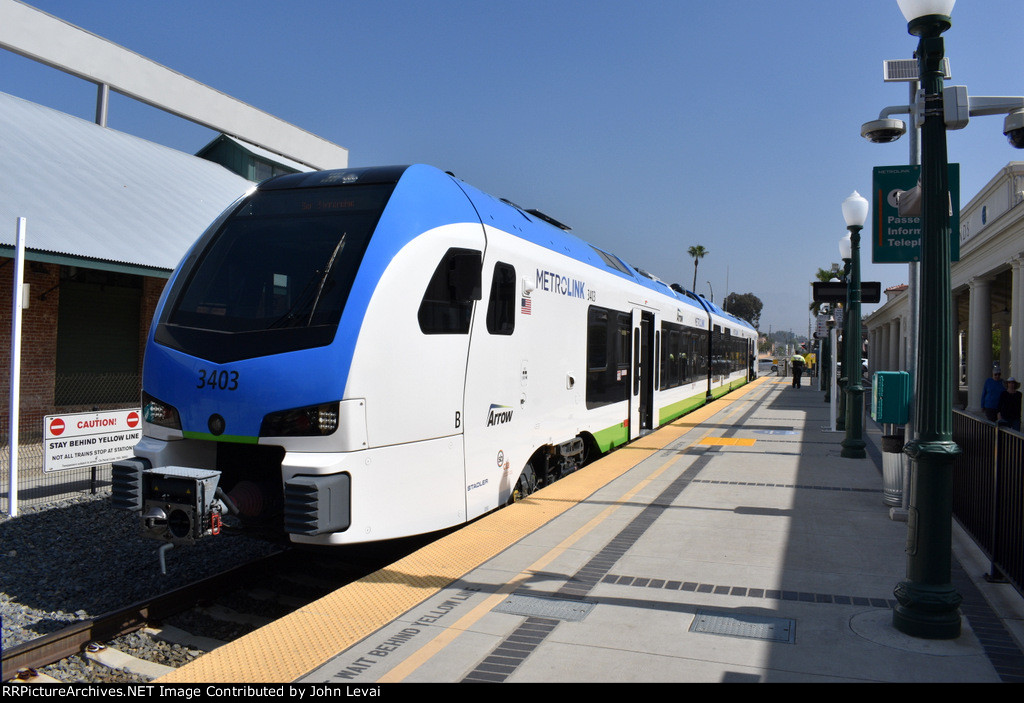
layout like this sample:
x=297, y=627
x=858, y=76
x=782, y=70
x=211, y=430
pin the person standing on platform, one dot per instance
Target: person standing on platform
x=1009, y=405
x=990, y=395
x=798, y=369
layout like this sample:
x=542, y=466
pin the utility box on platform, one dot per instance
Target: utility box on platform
x=890, y=397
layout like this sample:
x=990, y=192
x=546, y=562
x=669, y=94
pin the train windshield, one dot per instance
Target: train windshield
x=276, y=274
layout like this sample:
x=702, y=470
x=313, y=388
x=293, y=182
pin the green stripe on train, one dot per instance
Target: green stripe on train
x=687, y=405
x=617, y=435
x=611, y=437
x=237, y=439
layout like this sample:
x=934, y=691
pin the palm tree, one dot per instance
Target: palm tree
x=698, y=252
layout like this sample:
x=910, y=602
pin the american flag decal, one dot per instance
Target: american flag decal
x=525, y=306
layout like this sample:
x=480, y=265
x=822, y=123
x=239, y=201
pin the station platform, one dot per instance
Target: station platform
x=734, y=545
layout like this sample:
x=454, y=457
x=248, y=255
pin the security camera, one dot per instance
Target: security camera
x=883, y=131
x=1013, y=128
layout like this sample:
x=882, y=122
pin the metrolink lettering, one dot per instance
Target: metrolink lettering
x=556, y=283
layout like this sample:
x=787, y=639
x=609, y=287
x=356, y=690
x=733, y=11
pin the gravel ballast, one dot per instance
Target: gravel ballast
x=82, y=558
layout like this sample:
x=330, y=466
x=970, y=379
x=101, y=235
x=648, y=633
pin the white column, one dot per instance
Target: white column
x=979, y=341
x=1017, y=317
x=876, y=349
x=886, y=361
x=894, y=345
x=1004, y=348
x=872, y=349
x=904, y=344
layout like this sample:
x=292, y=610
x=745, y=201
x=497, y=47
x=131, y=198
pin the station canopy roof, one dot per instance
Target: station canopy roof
x=99, y=198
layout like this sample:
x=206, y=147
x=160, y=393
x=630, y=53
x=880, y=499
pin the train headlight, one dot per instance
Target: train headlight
x=310, y=421
x=160, y=413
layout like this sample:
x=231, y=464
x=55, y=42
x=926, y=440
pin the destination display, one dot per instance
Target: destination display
x=835, y=292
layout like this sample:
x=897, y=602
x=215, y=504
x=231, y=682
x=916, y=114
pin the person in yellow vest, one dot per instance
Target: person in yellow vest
x=798, y=368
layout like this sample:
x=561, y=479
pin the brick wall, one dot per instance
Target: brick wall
x=39, y=342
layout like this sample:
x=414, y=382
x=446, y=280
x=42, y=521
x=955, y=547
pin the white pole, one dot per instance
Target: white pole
x=834, y=389
x=19, y=299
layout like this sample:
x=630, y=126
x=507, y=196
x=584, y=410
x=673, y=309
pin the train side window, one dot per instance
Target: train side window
x=623, y=356
x=673, y=356
x=700, y=353
x=608, y=356
x=447, y=303
x=597, y=340
x=501, y=307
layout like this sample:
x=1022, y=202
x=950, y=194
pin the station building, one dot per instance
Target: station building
x=107, y=218
x=987, y=289
x=108, y=215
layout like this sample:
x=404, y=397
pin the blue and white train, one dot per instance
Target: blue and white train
x=366, y=354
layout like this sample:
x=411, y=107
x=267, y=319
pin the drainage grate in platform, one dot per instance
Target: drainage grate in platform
x=539, y=607
x=749, y=626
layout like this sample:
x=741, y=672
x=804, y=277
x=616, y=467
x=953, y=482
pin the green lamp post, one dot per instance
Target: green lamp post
x=927, y=603
x=855, y=212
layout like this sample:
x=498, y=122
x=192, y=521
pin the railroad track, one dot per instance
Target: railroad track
x=190, y=620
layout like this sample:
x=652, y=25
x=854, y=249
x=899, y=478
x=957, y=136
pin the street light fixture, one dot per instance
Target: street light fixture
x=846, y=247
x=927, y=603
x=855, y=212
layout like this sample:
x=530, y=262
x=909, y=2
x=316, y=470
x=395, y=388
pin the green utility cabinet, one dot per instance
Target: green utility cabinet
x=890, y=397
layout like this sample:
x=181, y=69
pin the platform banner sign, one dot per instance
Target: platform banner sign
x=89, y=439
x=896, y=208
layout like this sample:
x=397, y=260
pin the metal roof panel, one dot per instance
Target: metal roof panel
x=94, y=192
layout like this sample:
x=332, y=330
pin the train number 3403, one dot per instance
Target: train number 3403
x=218, y=380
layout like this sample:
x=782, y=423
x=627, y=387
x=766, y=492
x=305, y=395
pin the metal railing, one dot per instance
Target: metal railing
x=73, y=393
x=38, y=489
x=988, y=492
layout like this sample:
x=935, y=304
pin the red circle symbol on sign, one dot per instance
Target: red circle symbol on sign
x=56, y=426
x=133, y=419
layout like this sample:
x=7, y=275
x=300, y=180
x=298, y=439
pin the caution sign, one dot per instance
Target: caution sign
x=89, y=439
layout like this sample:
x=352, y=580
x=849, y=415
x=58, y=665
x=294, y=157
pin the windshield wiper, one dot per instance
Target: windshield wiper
x=323, y=279
x=295, y=311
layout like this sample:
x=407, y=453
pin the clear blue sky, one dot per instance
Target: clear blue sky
x=648, y=126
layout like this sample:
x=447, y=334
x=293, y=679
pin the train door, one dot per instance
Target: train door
x=498, y=376
x=641, y=404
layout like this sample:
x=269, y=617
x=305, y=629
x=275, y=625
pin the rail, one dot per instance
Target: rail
x=988, y=492
x=72, y=639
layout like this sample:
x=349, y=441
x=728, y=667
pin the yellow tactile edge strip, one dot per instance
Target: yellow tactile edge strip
x=728, y=441
x=290, y=647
